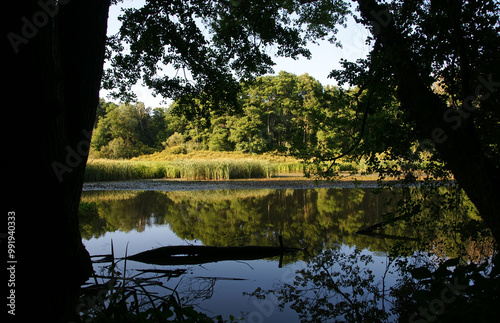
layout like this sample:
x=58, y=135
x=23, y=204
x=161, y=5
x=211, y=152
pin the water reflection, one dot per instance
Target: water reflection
x=338, y=284
x=431, y=266
x=312, y=219
x=343, y=286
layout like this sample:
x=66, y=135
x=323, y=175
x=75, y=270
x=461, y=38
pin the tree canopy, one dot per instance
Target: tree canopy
x=235, y=41
x=211, y=45
x=286, y=113
x=433, y=68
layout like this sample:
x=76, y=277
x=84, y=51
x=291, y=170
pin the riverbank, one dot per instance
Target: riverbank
x=218, y=170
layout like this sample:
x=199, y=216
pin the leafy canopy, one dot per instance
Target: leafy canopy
x=212, y=45
x=202, y=51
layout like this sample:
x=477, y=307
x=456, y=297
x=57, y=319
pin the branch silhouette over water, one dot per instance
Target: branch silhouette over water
x=193, y=255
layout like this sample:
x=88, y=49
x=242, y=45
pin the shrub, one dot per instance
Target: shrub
x=176, y=150
x=174, y=140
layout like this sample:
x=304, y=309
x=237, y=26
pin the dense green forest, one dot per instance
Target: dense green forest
x=281, y=113
x=326, y=127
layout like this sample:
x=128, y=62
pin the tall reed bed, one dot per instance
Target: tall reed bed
x=222, y=169
x=195, y=169
x=289, y=167
x=109, y=170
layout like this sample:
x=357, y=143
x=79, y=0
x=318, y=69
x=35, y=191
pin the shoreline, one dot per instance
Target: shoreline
x=168, y=185
x=282, y=181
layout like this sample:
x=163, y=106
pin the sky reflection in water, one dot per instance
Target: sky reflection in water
x=343, y=267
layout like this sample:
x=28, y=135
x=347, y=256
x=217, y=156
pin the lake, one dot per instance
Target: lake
x=336, y=275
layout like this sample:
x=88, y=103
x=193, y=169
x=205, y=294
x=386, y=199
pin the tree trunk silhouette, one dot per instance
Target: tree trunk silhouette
x=54, y=64
x=461, y=149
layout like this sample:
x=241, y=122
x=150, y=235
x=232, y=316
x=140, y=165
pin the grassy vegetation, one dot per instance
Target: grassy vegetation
x=196, y=169
x=200, y=165
x=108, y=170
x=197, y=165
x=113, y=296
x=217, y=165
x=173, y=154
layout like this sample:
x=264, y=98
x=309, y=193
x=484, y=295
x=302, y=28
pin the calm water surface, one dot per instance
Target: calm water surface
x=338, y=273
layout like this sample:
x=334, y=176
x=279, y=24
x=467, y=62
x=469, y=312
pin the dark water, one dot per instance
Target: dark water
x=338, y=276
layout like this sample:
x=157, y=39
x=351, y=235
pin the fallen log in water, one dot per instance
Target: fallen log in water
x=191, y=255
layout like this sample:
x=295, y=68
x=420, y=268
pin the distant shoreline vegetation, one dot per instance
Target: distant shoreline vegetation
x=198, y=165
x=279, y=124
x=273, y=113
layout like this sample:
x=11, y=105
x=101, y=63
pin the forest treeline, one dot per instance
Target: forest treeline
x=273, y=113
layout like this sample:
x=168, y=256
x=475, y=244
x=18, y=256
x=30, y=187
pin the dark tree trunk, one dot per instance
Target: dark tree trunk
x=460, y=148
x=54, y=66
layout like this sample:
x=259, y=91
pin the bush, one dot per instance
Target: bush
x=176, y=150
x=124, y=148
x=174, y=140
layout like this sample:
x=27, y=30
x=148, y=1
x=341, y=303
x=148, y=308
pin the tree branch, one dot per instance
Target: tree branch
x=361, y=132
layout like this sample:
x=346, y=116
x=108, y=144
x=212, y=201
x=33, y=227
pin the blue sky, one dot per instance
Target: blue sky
x=325, y=56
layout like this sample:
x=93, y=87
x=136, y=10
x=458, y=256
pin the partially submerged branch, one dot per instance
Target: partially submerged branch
x=183, y=255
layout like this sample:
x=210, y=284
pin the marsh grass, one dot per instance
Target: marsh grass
x=203, y=165
x=192, y=169
x=223, y=169
x=108, y=170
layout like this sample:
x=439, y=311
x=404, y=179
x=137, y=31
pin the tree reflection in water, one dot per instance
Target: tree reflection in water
x=443, y=266
x=335, y=284
x=339, y=286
